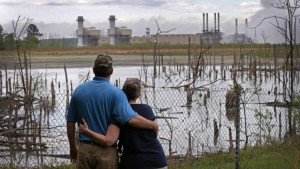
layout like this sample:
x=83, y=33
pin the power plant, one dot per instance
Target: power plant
x=118, y=35
x=213, y=35
x=123, y=35
x=238, y=37
x=241, y=38
x=91, y=36
x=112, y=30
x=86, y=36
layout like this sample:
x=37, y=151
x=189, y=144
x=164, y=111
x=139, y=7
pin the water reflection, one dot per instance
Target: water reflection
x=192, y=120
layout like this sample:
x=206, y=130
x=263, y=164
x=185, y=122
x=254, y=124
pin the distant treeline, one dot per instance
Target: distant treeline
x=63, y=42
x=28, y=37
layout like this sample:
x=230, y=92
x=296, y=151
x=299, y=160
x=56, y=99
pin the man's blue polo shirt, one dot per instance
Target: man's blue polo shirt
x=97, y=101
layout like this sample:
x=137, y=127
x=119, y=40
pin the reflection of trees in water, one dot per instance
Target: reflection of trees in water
x=193, y=118
x=192, y=112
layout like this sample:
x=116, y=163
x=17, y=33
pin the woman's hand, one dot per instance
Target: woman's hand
x=83, y=127
x=112, y=134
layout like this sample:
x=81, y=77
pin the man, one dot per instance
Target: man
x=141, y=148
x=97, y=102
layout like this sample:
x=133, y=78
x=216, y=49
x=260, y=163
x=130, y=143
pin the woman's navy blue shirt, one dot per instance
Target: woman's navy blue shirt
x=141, y=148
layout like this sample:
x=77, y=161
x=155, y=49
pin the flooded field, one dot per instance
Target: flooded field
x=192, y=112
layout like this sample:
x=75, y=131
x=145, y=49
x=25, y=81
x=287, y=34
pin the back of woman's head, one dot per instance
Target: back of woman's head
x=132, y=88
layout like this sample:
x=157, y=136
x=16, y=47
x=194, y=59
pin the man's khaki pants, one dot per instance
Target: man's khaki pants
x=93, y=156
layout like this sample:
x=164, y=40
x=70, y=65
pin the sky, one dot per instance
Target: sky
x=58, y=18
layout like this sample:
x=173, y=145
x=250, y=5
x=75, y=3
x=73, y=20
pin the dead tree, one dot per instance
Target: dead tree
x=291, y=38
x=22, y=103
x=286, y=30
x=156, y=52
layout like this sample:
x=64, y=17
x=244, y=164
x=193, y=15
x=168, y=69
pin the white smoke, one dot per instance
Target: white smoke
x=266, y=31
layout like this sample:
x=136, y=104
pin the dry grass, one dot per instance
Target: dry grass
x=86, y=60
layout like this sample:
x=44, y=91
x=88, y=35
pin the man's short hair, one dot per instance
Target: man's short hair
x=132, y=88
x=103, y=66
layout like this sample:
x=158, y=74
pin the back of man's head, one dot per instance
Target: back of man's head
x=103, y=66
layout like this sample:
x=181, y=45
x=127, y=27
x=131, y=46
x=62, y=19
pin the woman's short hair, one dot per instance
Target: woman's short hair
x=132, y=88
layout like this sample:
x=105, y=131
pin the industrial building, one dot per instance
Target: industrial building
x=241, y=38
x=86, y=36
x=91, y=36
x=207, y=36
x=118, y=35
x=123, y=35
x=171, y=39
x=213, y=35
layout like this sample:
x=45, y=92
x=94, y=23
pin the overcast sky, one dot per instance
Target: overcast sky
x=59, y=16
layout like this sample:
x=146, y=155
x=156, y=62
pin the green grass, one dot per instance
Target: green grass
x=273, y=156
x=262, y=50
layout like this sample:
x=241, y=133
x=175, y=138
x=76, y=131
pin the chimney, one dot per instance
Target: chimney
x=236, y=26
x=215, y=20
x=203, y=23
x=207, y=22
x=147, y=32
x=246, y=26
x=218, y=22
x=112, y=30
x=80, y=31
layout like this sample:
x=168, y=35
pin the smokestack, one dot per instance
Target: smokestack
x=112, y=30
x=80, y=31
x=246, y=26
x=147, y=32
x=218, y=22
x=203, y=23
x=215, y=19
x=236, y=26
x=207, y=22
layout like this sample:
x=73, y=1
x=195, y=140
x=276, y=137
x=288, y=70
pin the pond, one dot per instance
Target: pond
x=190, y=123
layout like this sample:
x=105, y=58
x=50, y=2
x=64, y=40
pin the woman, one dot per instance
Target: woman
x=141, y=148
